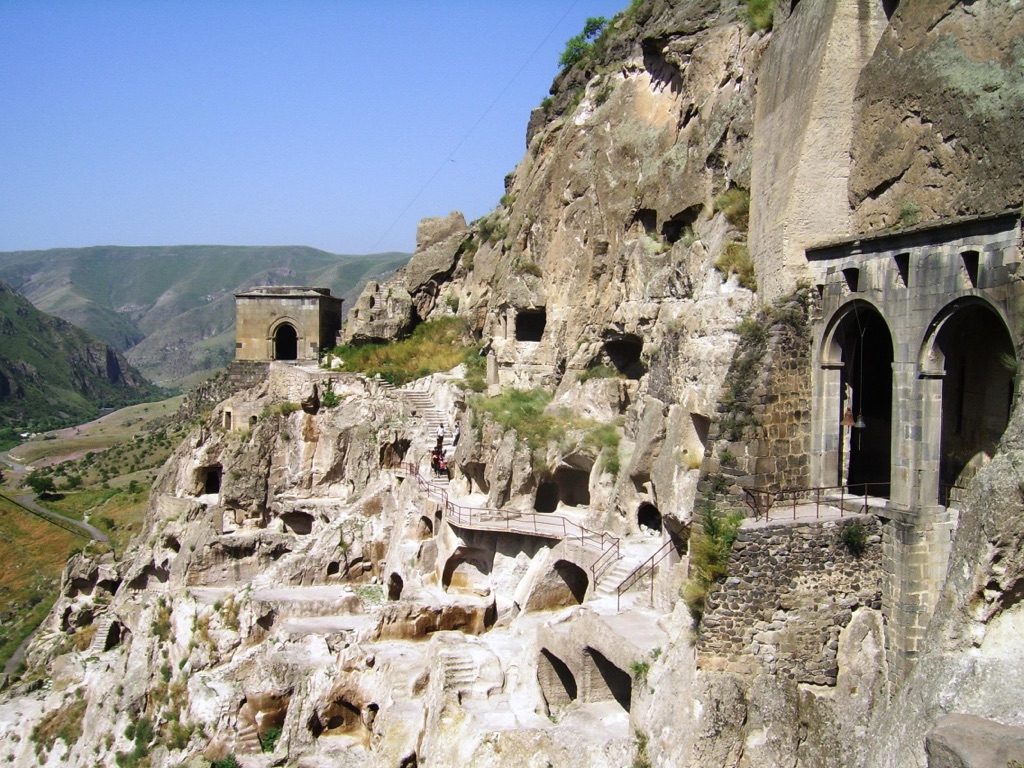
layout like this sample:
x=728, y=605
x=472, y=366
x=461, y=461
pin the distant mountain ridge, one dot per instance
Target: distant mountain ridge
x=52, y=373
x=170, y=309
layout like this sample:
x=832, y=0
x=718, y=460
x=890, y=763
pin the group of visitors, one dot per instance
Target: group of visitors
x=438, y=461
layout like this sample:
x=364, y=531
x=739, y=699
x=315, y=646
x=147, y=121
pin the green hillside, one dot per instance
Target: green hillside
x=170, y=309
x=53, y=374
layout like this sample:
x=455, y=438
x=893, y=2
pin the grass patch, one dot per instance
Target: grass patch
x=434, y=346
x=33, y=553
x=736, y=259
x=64, y=723
x=709, y=555
x=760, y=14
x=855, y=537
x=734, y=204
x=600, y=371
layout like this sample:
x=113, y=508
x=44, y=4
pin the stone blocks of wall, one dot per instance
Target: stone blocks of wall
x=761, y=437
x=790, y=590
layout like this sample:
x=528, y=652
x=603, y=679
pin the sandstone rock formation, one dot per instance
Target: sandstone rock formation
x=302, y=577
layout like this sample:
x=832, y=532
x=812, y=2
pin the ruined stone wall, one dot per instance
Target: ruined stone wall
x=790, y=590
x=761, y=437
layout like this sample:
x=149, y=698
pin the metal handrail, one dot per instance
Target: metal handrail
x=761, y=501
x=647, y=566
x=529, y=523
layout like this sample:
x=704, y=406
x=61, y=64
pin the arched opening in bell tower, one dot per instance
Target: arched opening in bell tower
x=973, y=353
x=864, y=412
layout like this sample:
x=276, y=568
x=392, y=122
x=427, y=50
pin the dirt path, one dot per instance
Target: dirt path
x=28, y=500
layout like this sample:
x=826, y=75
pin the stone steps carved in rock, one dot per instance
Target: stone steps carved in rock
x=99, y=639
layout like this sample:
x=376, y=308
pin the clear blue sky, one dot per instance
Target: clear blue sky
x=252, y=122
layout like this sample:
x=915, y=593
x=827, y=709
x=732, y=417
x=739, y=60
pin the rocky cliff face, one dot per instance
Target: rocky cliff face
x=296, y=578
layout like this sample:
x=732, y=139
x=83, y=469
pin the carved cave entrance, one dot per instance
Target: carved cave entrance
x=609, y=682
x=286, y=342
x=569, y=485
x=530, y=324
x=976, y=355
x=864, y=413
x=557, y=683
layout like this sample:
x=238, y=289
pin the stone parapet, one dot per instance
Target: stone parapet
x=790, y=590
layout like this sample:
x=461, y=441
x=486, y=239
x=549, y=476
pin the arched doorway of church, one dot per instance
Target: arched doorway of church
x=286, y=342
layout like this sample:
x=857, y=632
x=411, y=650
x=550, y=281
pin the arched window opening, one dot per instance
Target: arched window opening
x=227, y=420
x=648, y=517
x=286, y=342
x=530, y=324
x=395, y=586
x=977, y=392
x=970, y=260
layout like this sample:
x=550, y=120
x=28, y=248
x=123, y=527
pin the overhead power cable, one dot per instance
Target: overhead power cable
x=450, y=157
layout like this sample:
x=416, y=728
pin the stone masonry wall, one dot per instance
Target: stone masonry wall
x=761, y=437
x=790, y=590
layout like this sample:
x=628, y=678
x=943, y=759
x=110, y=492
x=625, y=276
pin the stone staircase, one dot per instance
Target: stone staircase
x=99, y=639
x=247, y=740
x=460, y=672
x=425, y=410
x=611, y=579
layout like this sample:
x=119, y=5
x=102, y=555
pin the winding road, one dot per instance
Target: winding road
x=28, y=502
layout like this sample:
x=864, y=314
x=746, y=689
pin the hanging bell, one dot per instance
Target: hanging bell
x=860, y=423
x=848, y=419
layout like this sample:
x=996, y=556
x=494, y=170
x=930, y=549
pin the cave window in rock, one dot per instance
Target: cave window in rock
x=862, y=344
x=681, y=225
x=150, y=573
x=210, y=477
x=300, y=523
x=546, y=499
x=340, y=717
x=889, y=7
x=575, y=579
x=252, y=421
x=530, y=324
x=395, y=586
x=286, y=342
x=624, y=351
x=227, y=420
x=573, y=486
x=648, y=517
x=609, y=682
x=393, y=454
x=557, y=682
x=467, y=570
x=647, y=218
x=976, y=354
x=333, y=568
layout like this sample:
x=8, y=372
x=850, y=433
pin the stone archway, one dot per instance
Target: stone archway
x=970, y=351
x=857, y=400
x=286, y=342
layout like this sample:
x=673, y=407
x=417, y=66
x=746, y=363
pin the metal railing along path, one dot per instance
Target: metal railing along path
x=646, y=567
x=530, y=523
